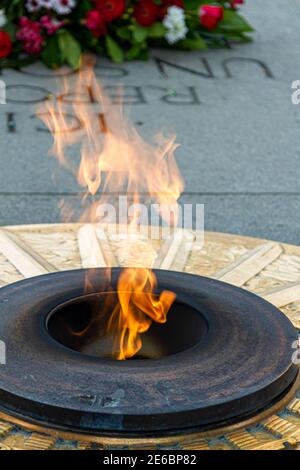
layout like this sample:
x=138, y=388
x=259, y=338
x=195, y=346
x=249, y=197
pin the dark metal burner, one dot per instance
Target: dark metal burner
x=223, y=355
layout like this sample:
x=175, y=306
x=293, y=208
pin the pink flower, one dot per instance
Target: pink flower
x=211, y=15
x=95, y=22
x=34, y=46
x=26, y=24
x=51, y=25
x=30, y=36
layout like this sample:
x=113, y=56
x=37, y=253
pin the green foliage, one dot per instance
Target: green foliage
x=16, y=64
x=69, y=48
x=134, y=52
x=114, y=51
x=232, y=21
x=196, y=43
x=156, y=30
x=52, y=55
x=11, y=29
x=13, y=9
x=139, y=33
x=192, y=4
x=124, y=33
x=83, y=7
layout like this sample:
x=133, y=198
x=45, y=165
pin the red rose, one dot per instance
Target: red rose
x=211, y=15
x=95, y=22
x=146, y=12
x=236, y=3
x=169, y=3
x=110, y=9
x=5, y=44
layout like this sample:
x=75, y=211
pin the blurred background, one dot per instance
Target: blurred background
x=230, y=108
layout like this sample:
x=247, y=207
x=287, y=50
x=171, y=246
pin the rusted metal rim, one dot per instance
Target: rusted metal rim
x=240, y=366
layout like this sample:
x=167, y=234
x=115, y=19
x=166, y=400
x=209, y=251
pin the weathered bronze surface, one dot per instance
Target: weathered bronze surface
x=240, y=365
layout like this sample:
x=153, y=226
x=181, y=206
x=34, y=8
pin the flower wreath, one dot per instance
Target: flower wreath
x=58, y=31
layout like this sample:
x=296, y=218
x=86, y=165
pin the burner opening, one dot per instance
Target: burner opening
x=81, y=324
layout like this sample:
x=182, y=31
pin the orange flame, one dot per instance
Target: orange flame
x=116, y=159
x=137, y=307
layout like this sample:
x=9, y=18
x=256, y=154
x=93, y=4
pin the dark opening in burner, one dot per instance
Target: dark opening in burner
x=82, y=325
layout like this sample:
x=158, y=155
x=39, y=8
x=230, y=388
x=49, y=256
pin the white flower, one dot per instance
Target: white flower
x=175, y=14
x=63, y=7
x=174, y=22
x=33, y=5
x=2, y=18
x=46, y=4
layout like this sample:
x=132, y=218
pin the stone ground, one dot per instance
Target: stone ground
x=238, y=129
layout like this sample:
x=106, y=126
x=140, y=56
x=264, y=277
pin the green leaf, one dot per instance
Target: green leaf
x=17, y=63
x=85, y=37
x=192, y=44
x=144, y=55
x=139, y=33
x=14, y=10
x=156, y=30
x=232, y=21
x=113, y=50
x=124, y=33
x=238, y=37
x=69, y=48
x=134, y=52
x=191, y=4
x=137, y=52
x=242, y=38
x=10, y=29
x=51, y=55
x=83, y=7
